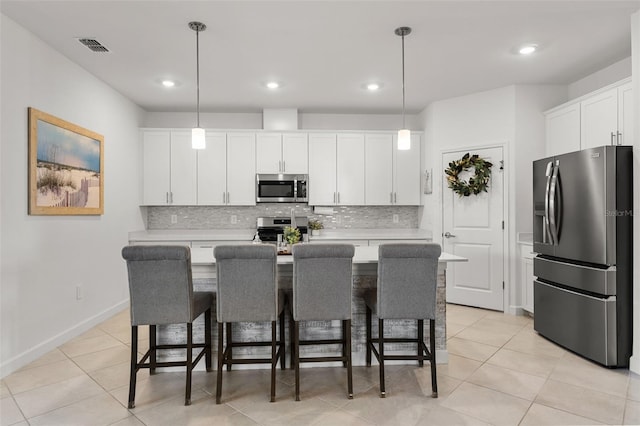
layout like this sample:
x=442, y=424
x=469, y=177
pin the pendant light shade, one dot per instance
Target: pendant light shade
x=197, y=133
x=404, y=135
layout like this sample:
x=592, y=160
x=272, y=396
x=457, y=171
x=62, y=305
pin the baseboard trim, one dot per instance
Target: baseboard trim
x=24, y=358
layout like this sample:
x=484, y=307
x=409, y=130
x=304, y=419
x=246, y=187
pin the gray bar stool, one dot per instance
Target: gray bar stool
x=407, y=280
x=322, y=276
x=248, y=291
x=161, y=292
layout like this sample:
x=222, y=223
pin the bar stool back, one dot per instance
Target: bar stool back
x=248, y=291
x=407, y=280
x=161, y=292
x=322, y=276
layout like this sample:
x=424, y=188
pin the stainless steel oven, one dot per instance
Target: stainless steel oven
x=281, y=188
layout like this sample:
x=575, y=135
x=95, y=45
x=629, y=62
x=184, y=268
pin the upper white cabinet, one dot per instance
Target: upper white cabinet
x=391, y=176
x=282, y=153
x=336, y=169
x=563, y=130
x=407, y=173
x=226, y=170
x=604, y=117
x=169, y=168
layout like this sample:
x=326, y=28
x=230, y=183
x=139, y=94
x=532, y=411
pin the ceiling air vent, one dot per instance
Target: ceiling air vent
x=93, y=45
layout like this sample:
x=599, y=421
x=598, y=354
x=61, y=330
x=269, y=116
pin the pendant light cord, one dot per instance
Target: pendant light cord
x=403, y=121
x=198, y=78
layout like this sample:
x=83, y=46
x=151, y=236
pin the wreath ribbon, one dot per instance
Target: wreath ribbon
x=478, y=183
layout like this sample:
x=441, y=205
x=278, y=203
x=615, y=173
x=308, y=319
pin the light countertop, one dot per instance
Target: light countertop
x=247, y=234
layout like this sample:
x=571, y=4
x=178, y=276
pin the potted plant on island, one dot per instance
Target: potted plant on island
x=291, y=236
x=315, y=226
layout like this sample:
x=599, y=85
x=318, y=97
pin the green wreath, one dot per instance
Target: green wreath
x=478, y=183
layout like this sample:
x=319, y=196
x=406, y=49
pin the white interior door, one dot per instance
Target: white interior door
x=473, y=228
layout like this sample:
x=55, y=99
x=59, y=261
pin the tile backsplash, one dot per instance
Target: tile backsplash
x=212, y=217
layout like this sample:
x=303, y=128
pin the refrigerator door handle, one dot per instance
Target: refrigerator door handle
x=546, y=230
x=552, y=204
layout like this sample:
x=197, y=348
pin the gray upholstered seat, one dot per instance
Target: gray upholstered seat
x=248, y=291
x=161, y=292
x=322, y=277
x=407, y=278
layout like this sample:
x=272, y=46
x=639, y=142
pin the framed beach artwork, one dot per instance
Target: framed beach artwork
x=66, y=167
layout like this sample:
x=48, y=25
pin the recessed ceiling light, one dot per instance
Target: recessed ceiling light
x=273, y=85
x=372, y=87
x=168, y=83
x=528, y=49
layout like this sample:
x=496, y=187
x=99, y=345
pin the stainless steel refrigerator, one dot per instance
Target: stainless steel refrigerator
x=582, y=234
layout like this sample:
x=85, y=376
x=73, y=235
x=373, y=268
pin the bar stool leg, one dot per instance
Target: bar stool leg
x=207, y=340
x=282, y=343
x=369, y=342
x=292, y=339
x=381, y=351
x=152, y=347
x=347, y=326
x=432, y=358
x=344, y=344
x=420, y=342
x=187, y=394
x=220, y=362
x=134, y=366
x=229, y=343
x=274, y=361
x=296, y=339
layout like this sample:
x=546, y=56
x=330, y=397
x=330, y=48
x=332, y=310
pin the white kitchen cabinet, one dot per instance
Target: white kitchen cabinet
x=526, y=276
x=563, y=130
x=407, y=173
x=599, y=120
x=226, y=170
x=282, y=153
x=169, y=168
x=392, y=177
x=350, y=169
x=378, y=169
x=322, y=169
x=626, y=116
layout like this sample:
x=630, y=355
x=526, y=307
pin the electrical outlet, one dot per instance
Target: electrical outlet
x=79, y=292
x=396, y=219
x=234, y=219
x=174, y=218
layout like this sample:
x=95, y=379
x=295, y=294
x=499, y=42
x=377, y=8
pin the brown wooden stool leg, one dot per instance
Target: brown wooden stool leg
x=220, y=362
x=134, y=366
x=381, y=352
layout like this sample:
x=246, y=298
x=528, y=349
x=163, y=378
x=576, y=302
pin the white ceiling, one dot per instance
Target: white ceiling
x=324, y=52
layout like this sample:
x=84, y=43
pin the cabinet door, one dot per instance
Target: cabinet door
x=378, y=169
x=563, y=130
x=295, y=159
x=241, y=169
x=156, y=169
x=212, y=170
x=599, y=119
x=183, y=170
x=625, y=114
x=350, y=169
x=322, y=169
x=407, y=173
x=269, y=153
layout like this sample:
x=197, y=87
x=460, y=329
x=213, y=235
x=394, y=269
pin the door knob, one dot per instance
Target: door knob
x=449, y=235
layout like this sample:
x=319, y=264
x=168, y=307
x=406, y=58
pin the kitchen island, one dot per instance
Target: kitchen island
x=364, y=277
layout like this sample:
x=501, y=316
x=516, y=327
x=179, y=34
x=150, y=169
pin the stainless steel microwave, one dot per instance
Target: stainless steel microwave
x=281, y=188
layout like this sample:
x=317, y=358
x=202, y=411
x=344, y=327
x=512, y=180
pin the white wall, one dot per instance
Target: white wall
x=43, y=258
x=306, y=121
x=635, y=54
x=614, y=72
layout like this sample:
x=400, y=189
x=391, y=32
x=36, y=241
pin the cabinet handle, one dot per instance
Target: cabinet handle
x=338, y=197
x=167, y=196
x=284, y=166
x=619, y=138
x=279, y=165
x=224, y=200
x=395, y=197
x=391, y=197
x=613, y=135
x=334, y=198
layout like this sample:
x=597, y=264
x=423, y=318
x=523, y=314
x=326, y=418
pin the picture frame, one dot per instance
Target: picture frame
x=66, y=167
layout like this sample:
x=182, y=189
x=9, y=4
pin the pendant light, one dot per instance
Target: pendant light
x=404, y=135
x=197, y=133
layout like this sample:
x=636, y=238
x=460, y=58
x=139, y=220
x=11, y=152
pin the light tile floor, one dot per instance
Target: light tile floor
x=500, y=372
